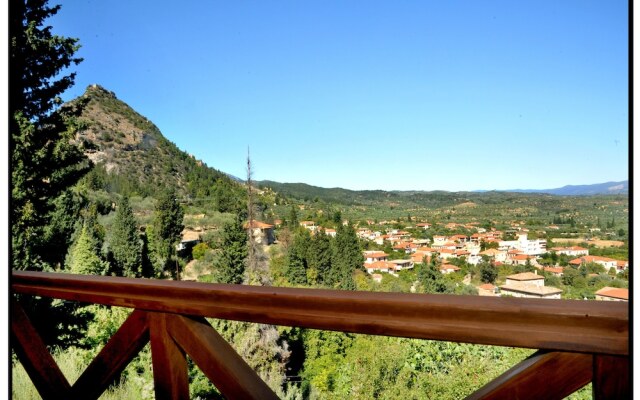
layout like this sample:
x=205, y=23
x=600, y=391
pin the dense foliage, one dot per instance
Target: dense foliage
x=44, y=162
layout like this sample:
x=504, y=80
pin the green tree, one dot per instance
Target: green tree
x=59, y=233
x=337, y=217
x=431, y=278
x=85, y=256
x=166, y=231
x=319, y=256
x=125, y=244
x=229, y=267
x=488, y=273
x=296, y=272
x=293, y=217
x=199, y=250
x=43, y=161
x=347, y=258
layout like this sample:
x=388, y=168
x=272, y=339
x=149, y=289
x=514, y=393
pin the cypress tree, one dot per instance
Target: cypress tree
x=347, y=257
x=293, y=217
x=229, y=267
x=125, y=245
x=296, y=272
x=320, y=256
x=166, y=230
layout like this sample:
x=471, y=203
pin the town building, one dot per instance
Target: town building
x=262, y=232
x=372, y=256
x=526, y=246
x=573, y=251
x=529, y=285
x=608, y=263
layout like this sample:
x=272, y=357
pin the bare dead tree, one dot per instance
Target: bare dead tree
x=257, y=261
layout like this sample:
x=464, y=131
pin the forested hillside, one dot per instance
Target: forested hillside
x=132, y=157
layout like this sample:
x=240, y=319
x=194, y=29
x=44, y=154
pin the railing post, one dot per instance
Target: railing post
x=611, y=377
x=170, y=374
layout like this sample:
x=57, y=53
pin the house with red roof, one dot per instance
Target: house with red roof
x=488, y=289
x=402, y=264
x=557, y=271
x=612, y=294
x=372, y=256
x=608, y=263
x=497, y=255
x=573, y=251
x=310, y=225
x=261, y=232
x=529, y=285
x=447, y=253
x=380, y=266
x=448, y=268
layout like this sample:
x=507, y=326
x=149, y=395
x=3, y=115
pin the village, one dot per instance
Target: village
x=449, y=251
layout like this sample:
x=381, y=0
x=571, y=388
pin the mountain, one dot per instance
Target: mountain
x=621, y=187
x=416, y=200
x=132, y=156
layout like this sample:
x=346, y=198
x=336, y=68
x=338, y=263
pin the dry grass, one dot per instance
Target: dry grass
x=597, y=243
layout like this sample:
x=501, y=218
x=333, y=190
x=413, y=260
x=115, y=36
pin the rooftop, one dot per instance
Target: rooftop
x=617, y=293
x=525, y=276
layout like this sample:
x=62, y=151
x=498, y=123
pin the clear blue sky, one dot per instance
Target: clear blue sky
x=395, y=95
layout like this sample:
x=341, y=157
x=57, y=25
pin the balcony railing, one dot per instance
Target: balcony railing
x=579, y=341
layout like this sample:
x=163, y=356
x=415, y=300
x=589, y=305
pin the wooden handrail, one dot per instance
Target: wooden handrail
x=581, y=341
x=559, y=325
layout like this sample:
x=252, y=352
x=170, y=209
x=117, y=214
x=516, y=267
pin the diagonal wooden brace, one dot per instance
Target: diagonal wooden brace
x=34, y=356
x=123, y=346
x=217, y=359
x=544, y=375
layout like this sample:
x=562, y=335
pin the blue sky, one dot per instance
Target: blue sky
x=395, y=95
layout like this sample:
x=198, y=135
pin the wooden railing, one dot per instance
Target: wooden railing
x=579, y=341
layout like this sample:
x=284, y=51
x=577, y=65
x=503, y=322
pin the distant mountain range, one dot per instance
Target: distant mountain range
x=621, y=187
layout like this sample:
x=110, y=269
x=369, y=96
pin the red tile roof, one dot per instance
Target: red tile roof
x=257, y=225
x=587, y=259
x=376, y=254
x=381, y=265
x=525, y=276
x=617, y=293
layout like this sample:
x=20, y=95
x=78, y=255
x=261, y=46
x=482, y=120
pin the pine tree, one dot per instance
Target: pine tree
x=125, y=245
x=43, y=161
x=229, y=267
